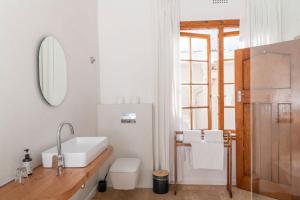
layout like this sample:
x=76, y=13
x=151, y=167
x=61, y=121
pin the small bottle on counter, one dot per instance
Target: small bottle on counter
x=27, y=162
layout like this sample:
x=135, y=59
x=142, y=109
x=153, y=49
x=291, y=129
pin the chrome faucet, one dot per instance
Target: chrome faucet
x=60, y=158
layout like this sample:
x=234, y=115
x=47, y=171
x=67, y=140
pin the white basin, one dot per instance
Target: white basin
x=77, y=152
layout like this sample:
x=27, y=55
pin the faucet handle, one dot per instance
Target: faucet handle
x=60, y=164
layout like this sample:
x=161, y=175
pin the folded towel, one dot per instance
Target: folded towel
x=192, y=136
x=179, y=138
x=207, y=155
x=213, y=136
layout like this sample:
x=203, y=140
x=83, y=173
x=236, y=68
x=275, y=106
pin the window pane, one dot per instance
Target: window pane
x=229, y=72
x=185, y=72
x=200, y=118
x=230, y=45
x=229, y=118
x=200, y=94
x=199, y=49
x=186, y=122
x=199, y=72
x=229, y=97
x=184, y=48
x=231, y=29
x=185, y=96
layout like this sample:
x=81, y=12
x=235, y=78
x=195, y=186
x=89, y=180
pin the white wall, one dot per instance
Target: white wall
x=199, y=10
x=26, y=121
x=126, y=43
x=126, y=46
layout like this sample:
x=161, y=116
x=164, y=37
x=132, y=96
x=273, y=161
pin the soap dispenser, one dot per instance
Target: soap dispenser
x=27, y=162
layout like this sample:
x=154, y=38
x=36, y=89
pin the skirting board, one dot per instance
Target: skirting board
x=216, y=182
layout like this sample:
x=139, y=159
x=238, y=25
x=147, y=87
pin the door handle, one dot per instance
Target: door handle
x=239, y=96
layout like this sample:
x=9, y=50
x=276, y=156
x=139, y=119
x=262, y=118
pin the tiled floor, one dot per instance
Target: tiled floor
x=184, y=193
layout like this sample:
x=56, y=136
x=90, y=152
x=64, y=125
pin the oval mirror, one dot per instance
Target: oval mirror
x=52, y=71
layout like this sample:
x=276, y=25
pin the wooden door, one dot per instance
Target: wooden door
x=268, y=150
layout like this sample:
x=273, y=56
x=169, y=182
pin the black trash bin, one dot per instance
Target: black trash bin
x=161, y=182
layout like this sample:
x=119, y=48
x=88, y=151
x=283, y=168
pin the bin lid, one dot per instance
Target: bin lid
x=160, y=173
x=125, y=165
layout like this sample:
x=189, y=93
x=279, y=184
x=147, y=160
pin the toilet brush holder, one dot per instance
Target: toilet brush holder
x=102, y=184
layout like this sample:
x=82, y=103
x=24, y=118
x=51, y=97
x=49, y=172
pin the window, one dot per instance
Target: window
x=207, y=74
x=195, y=81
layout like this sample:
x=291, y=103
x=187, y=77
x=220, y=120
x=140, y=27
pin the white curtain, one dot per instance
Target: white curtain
x=261, y=22
x=167, y=20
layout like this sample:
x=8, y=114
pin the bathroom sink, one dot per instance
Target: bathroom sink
x=77, y=152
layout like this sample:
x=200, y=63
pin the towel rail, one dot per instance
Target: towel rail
x=228, y=137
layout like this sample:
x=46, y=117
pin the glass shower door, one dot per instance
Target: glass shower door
x=275, y=120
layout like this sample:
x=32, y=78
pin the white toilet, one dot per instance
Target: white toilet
x=124, y=173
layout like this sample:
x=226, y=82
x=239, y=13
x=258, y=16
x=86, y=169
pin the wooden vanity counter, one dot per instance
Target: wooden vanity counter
x=44, y=184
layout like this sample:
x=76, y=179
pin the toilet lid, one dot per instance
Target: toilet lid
x=125, y=165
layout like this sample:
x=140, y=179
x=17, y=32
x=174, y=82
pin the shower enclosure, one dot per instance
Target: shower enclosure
x=268, y=120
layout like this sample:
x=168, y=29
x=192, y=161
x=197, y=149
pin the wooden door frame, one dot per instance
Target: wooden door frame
x=243, y=182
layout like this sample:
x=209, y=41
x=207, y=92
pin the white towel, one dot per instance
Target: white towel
x=207, y=155
x=188, y=158
x=213, y=136
x=180, y=163
x=192, y=136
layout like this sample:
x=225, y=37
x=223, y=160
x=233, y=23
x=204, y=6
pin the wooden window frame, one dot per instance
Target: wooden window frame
x=191, y=83
x=220, y=25
x=227, y=34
